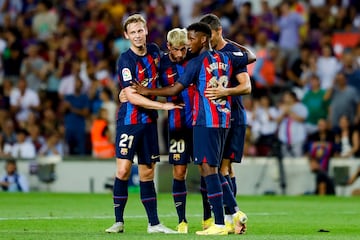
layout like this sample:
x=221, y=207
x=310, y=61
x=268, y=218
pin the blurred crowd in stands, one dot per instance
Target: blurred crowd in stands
x=58, y=84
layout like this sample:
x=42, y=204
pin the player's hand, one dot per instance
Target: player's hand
x=216, y=93
x=140, y=89
x=122, y=97
x=171, y=106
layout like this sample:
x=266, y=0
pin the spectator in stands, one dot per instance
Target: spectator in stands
x=264, y=69
x=21, y=149
x=12, y=55
x=351, y=69
x=288, y=26
x=45, y=20
x=3, y=155
x=8, y=131
x=5, y=90
x=292, y=128
x=264, y=126
x=321, y=145
x=31, y=68
x=266, y=20
x=109, y=104
x=347, y=136
x=23, y=100
x=246, y=22
x=53, y=146
x=75, y=108
x=101, y=138
x=67, y=83
x=344, y=100
x=315, y=100
x=35, y=136
x=324, y=185
x=12, y=181
x=295, y=71
x=327, y=66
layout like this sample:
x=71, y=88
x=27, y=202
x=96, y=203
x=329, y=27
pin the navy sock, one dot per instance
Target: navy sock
x=148, y=199
x=228, y=196
x=179, y=194
x=226, y=208
x=120, y=196
x=215, y=196
x=205, y=200
x=228, y=179
x=233, y=180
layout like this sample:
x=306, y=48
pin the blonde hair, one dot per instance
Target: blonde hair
x=177, y=37
x=134, y=19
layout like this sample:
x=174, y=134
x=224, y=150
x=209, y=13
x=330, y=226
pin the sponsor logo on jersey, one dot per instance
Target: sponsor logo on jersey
x=171, y=75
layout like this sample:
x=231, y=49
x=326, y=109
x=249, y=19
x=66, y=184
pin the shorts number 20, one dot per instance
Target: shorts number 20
x=177, y=146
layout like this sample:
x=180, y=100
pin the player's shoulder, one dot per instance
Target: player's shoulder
x=153, y=47
x=165, y=58
x=229, y=47
x=125, y=57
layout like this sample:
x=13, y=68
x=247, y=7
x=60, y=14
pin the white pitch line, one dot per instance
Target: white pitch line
x=126, y=216
x=144, y=216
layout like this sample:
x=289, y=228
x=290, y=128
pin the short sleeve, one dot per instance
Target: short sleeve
x=125, y=71
x=239, y=61
x=190, y=73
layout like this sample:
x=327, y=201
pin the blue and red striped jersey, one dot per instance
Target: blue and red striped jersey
x=210, y=69
x=238, y=113
x=145, y=70
x=169, y=73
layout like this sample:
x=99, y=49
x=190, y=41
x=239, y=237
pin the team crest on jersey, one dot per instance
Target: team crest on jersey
x=176, y=156
x=124, y=151
x=126, y=74
x=238, y=54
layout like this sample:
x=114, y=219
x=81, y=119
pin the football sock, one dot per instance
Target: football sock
x=205, y=200
x=120, y=196
x=179, y=194
x=228, y=179
x=148, y=199
x=233, y=180
x=227, y=211
x=215, y=196
x=228, y=197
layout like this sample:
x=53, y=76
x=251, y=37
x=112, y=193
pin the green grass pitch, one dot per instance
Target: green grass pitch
x=85, y=216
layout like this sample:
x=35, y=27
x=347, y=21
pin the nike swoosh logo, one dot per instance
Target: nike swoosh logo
x=178, y=204
x=142, y=70
x=171, y=75
x=155, y=156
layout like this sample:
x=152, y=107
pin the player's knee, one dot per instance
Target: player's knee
x=179, y=172
x=122, y=174
x=224, y=170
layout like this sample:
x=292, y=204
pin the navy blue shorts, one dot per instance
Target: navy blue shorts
x=180, y=146
x=209, y=145
x=234, y=146
x=141, y=139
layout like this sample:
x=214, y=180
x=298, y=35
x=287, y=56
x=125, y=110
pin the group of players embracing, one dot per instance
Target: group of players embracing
x=203, y=77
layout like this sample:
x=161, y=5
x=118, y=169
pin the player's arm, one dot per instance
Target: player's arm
x=168, y=91
x=243, y=88
x=136, y=99
x=250, y=54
